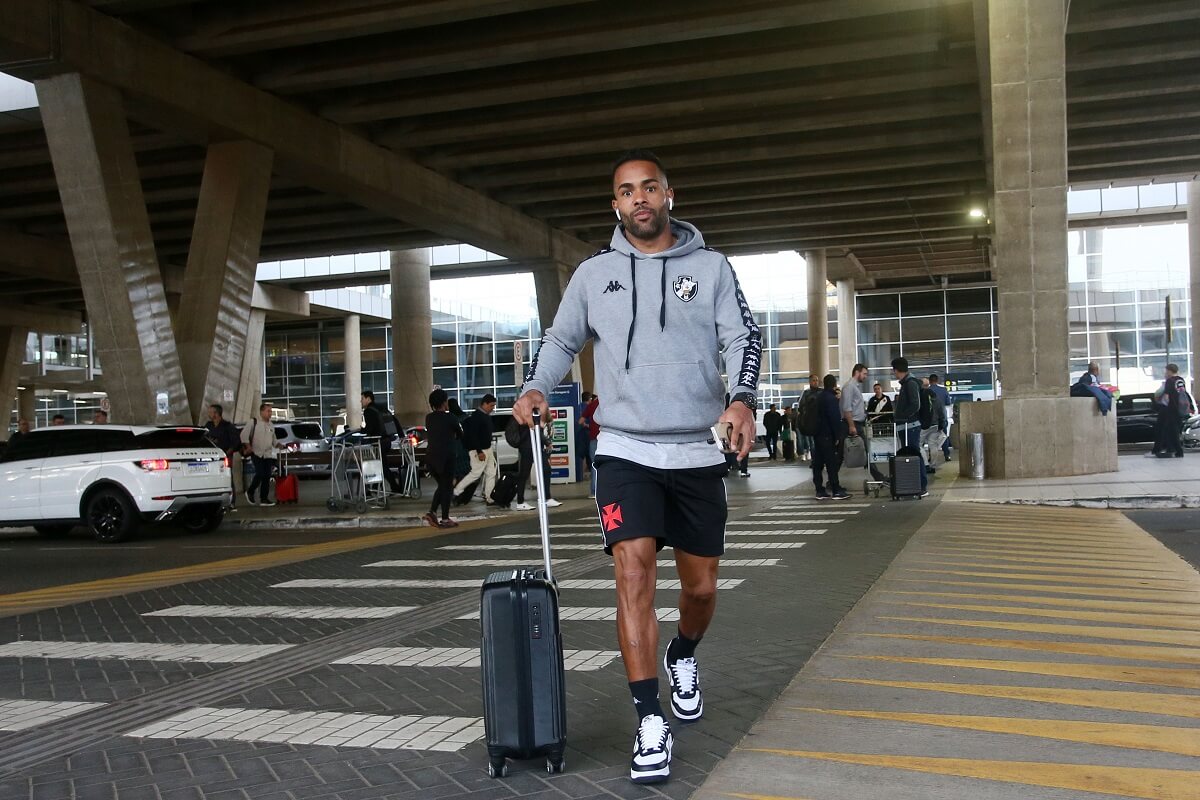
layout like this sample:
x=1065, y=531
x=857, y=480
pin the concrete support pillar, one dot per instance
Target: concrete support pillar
x=549, y=283
x=847, y=316
x=27, y=405
x=818, y=314
x=219, y=279
x=102, y=200
x=12, y=351
x=250, y=381
x=412, y=336
x=1034, y=430
x=1029, y=129
x=353, y=360
x=1193, y=218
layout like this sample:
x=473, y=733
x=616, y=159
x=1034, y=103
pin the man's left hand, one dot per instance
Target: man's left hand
x=743, y=432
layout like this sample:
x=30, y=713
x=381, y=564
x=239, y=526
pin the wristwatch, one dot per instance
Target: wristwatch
x=745, y=398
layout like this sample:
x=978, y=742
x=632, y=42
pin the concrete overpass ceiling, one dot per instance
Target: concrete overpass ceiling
x=852, y=125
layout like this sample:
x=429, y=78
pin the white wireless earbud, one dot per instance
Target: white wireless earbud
x=670, y=204
x=617, y=211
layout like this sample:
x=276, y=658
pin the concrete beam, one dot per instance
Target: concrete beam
x=279, y=301
x=562, y=36
x=219, y=279
x=1117, y=16
x=502, y=88
x=43, y=319
x=36, y=258
x=180, y=93
x=302, y=22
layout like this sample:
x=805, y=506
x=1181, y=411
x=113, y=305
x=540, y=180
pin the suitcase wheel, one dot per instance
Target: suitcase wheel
x=361, y=506
x=498, y=768
x=553, y=766
x=414, y=493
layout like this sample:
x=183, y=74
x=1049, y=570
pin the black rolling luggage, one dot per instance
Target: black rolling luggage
x=906, y=476
x=524, y=697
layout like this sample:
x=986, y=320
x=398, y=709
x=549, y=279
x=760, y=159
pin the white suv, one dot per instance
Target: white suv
x=112, y=478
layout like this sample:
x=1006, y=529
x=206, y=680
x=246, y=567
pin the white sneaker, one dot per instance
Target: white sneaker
x=687, y=702
x=522, y=507
x=250, y=500
x=651, y=761
x=268, y=504
x=552, y=503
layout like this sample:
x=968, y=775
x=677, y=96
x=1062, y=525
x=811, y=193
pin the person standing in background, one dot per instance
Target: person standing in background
x=441, y=432
x=589, y=415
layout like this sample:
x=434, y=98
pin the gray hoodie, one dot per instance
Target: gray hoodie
x=660, y=326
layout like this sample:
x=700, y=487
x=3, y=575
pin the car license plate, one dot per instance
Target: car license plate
x=197, y=468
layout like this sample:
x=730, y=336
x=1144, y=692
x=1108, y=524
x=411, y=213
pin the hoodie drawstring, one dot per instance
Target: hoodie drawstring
x=662, y=310
x=633, y=298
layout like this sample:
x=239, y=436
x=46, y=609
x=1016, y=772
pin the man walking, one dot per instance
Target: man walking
x=259, y=438
x=853, y=407
x=805, y=417
x=477, y=439
x=1173, y=405
x=933, y=423
x=225, y=434
x=772, y=423
x=378, y=421
x=827, y=443
x=662, y=312
x=907, y=413
x=948, y=407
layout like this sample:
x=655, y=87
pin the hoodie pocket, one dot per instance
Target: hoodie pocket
x=677, y=397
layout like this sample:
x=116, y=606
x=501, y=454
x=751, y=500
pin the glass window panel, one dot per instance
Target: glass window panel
x=1156, y=195
x=446, y=377
x=374, y=338
x=1098, y=295
x=274, y=387
x=965, y=301
x=377, y=382
x=967, y=326
x=475, y=332
x=506, y=375
x=445, y=356
x=333, y=362
x=791, y=334
x=971, y=351
x=878, y=356
x=879, y=330
x=333, y=341
x=1119, y=198
x=1154, y=342
x=333, y=383
x=921, y=303
x=1079, y=345
x=275, y=366
x=470, y=377
x=1086, y=201
x=925, y=353
x=918, y=328
x=1155, y=314
x=475, y=353
x=1113, y=317
x=1077, y=319
x=375, y=360
x=878, y=305
x=369, y=262
x=1106, y=344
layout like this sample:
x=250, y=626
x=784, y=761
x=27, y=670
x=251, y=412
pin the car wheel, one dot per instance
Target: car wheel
x=202, y=520
x=53, y=531
x=110, y=516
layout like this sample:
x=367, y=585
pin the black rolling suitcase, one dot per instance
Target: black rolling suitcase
x=524, y=696
x=906, y=476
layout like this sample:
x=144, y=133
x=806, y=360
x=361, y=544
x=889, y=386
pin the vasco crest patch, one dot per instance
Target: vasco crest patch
x=685, y=288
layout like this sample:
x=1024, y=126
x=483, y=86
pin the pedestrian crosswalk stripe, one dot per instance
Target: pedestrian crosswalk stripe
x=825, y=511
x=19, y=715
x=331, y=729
x=282, y=612
x=554, y=535
x=451, y=562
x=466, y=657
x=820, y=504
x=587, y=614
x=795, y=532
x=741, y=523
x=734, y=562
x=475, y=548
x=139, y=651
x=450, y=583
x=598, y=537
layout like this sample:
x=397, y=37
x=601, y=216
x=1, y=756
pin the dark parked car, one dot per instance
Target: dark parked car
x=1135, y=418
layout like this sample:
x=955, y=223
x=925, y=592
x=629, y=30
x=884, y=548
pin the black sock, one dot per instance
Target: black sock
x=645, y=698
x=681, y=647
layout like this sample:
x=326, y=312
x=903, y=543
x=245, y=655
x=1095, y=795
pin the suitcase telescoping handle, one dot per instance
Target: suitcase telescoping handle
x=540, y=471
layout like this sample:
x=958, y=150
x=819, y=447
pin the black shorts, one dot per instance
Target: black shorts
x=683, y=508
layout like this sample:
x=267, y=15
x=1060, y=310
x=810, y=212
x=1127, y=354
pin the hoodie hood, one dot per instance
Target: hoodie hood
x=687, y=240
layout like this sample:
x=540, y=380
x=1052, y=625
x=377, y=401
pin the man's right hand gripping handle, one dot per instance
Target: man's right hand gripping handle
x=525, y=405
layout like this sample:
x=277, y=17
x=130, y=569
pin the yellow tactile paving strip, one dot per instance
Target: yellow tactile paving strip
x=1009, y=653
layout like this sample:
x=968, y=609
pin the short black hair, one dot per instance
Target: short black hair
x=1173, y=368
x=437, y=398
x=880, y=385
x=488, y=398
x=369, y=394
x=637, y=155
x=900, y=364
x=830, y=382
x=933, y=377
x=58, y=416
x=857, y=367
x=220, y=410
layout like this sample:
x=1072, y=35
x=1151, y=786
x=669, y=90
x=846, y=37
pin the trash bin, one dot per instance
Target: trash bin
x=975, y=456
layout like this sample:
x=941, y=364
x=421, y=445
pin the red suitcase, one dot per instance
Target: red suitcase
x=287, y=489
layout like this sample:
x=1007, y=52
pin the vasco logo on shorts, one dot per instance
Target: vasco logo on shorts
x=610, y=517
x=685, y=288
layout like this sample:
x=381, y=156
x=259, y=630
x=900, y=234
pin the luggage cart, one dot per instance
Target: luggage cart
x=410, y=480
x=356, y=477
x=882, y=444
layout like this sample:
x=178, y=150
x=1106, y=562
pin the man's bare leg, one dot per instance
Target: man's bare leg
x=697, y=602
x=635, y=564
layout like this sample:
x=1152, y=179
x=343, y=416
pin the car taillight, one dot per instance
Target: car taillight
x=155, y=464
x=226, y=460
